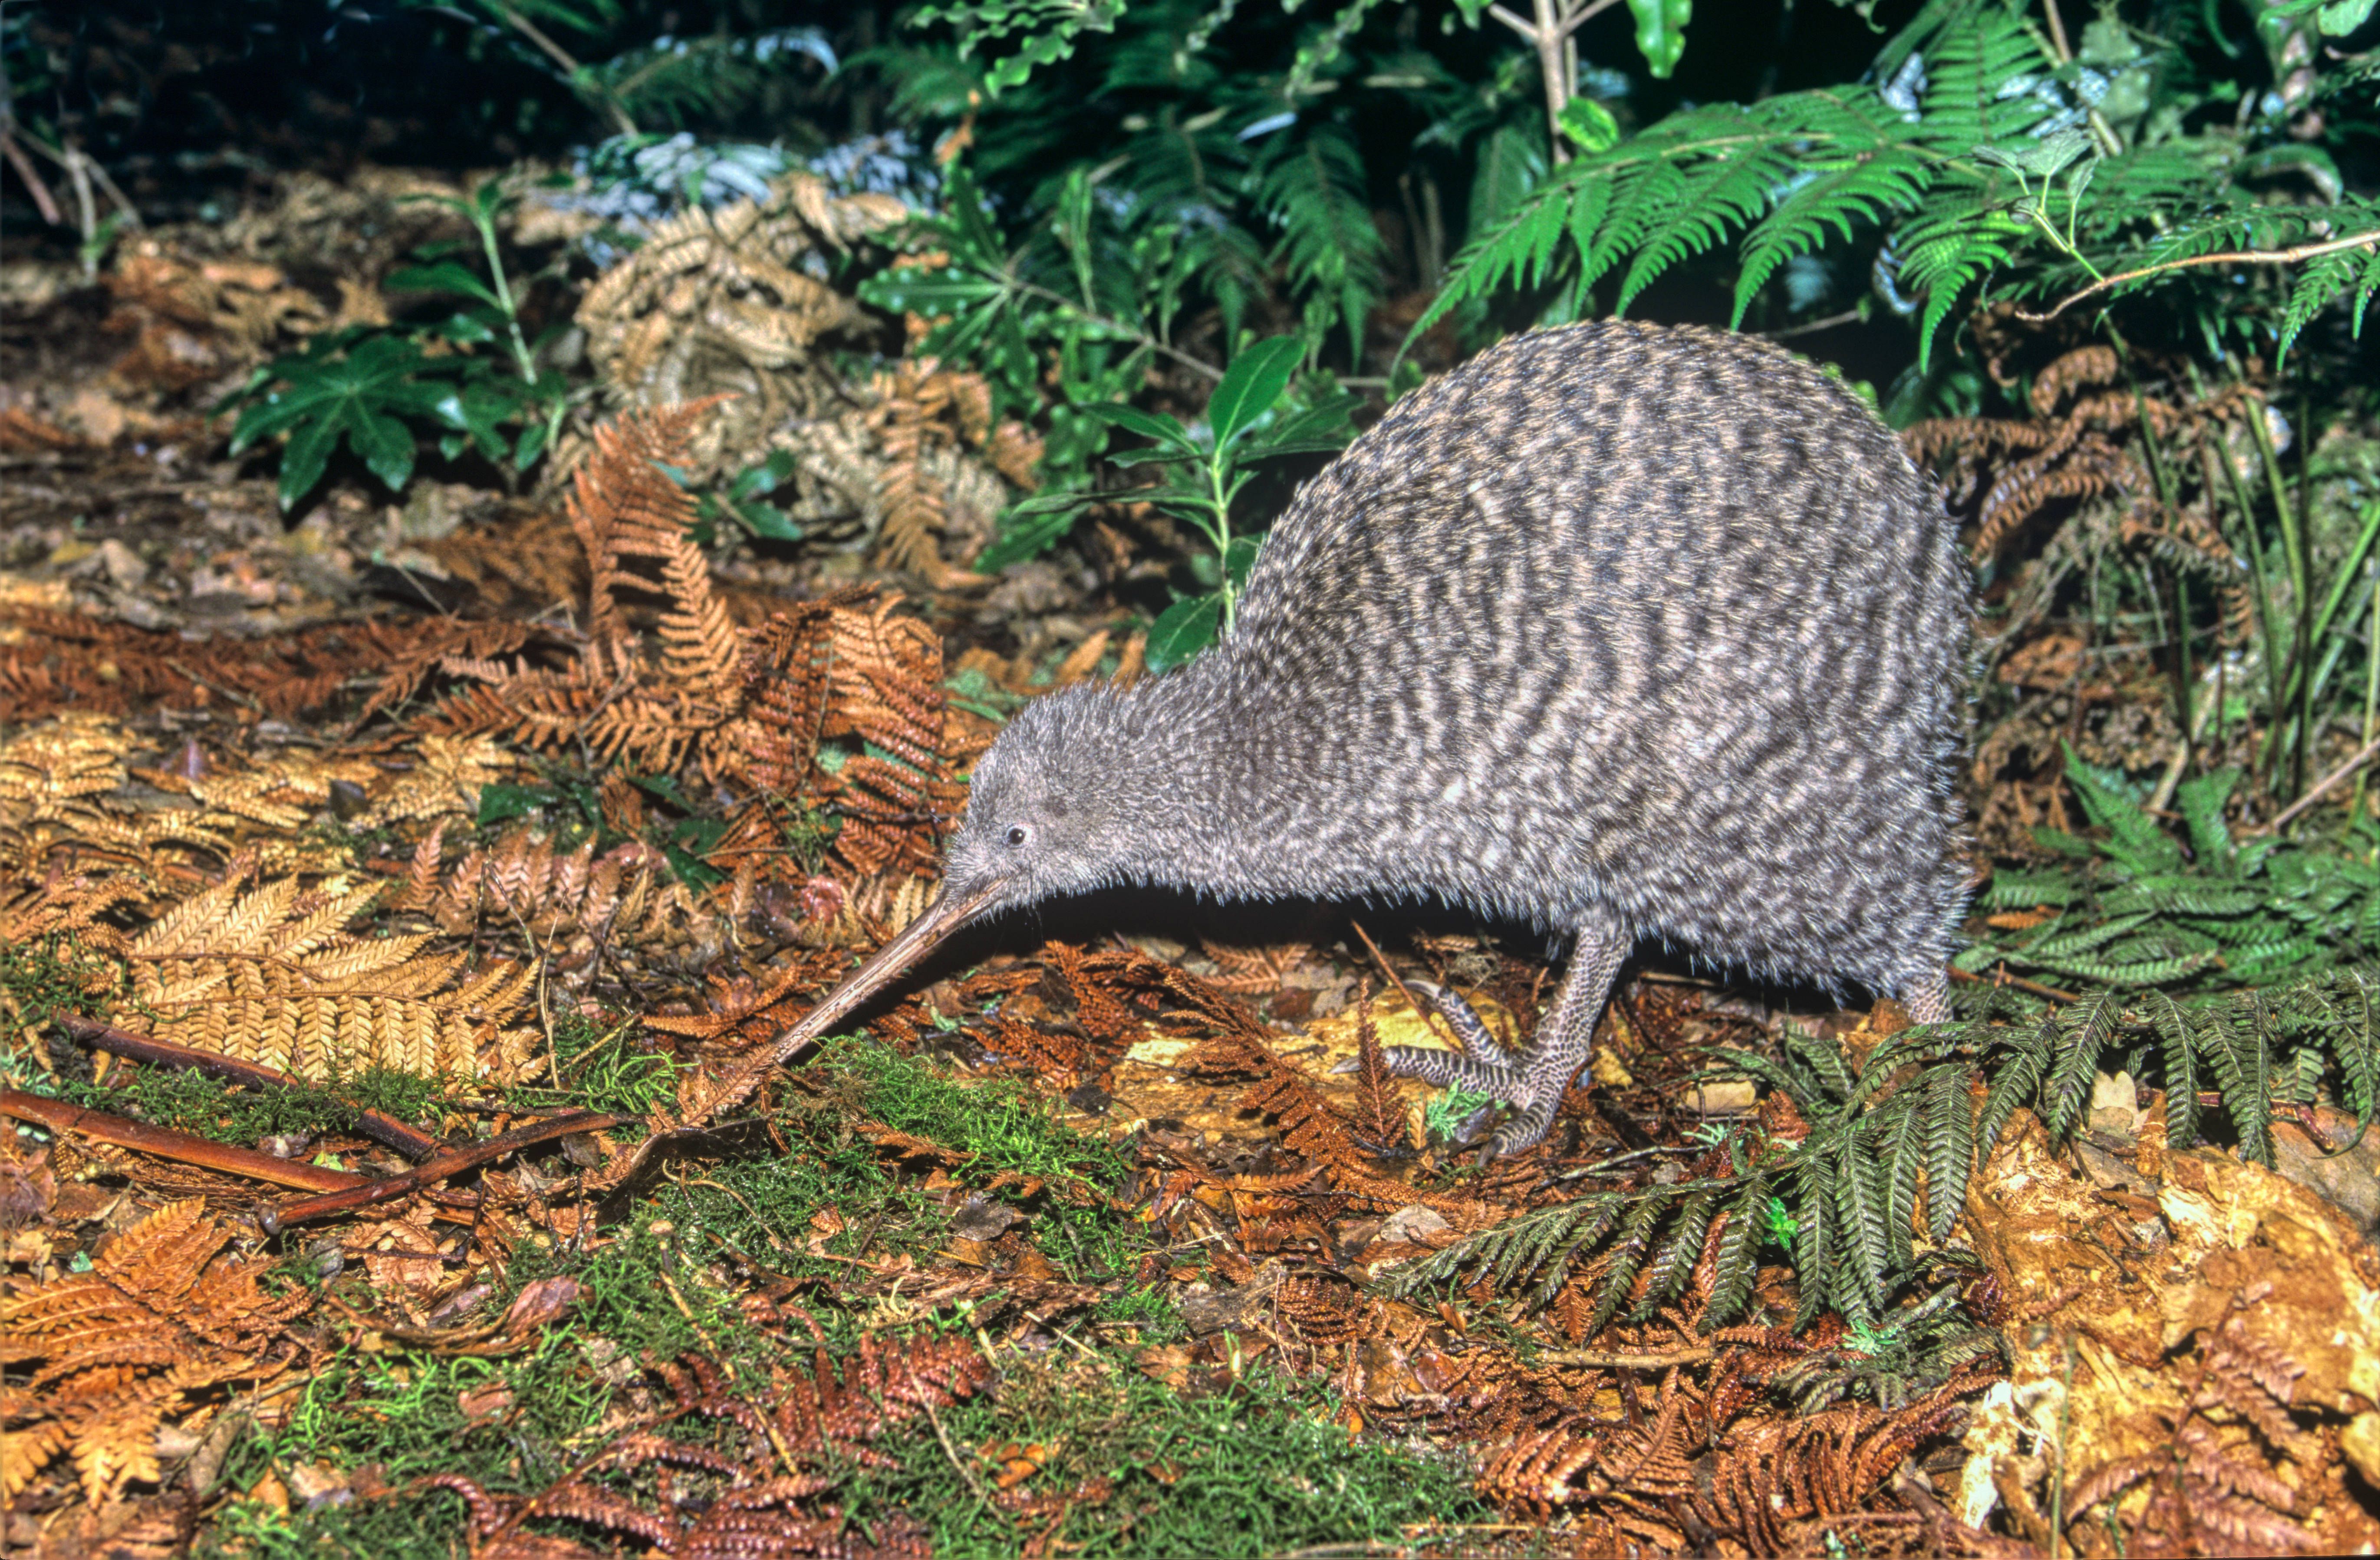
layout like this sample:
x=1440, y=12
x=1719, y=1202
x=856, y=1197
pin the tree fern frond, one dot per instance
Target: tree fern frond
x=1701, y=213
x=1312, y=192
x=1885, y=180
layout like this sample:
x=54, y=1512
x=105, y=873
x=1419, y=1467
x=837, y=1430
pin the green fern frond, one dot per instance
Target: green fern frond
x=1861, y=1203
x=2013, y=1085
x=1824, y=1060
x=2179, y=1051
x=1738, y=1263
x=1813, y=1237
x=2083, y=1033
x=1682, y=1248
x=1884, y=182
x=2359, y=1055
x=1949, y=1147
x=1312, y=191
x=1902, y=1161
x=1627, y=1256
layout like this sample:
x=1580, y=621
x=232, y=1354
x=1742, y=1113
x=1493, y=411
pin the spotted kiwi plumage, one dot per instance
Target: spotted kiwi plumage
x=1634, y=633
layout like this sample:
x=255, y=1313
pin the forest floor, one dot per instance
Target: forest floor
x=395, y=893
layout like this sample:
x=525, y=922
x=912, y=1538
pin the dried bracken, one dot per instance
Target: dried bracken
x=271, y=976
x=757, y=1493
x=119, y=1350
x=799, y=709
x=2102, y=444
x=2216, y=1485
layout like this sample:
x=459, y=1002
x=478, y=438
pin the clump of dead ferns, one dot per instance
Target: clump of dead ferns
x=2184, y=485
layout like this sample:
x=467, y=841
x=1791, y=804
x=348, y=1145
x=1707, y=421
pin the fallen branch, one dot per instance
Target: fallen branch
x=451, y=1162
x=167, y=1144
x=409, y=1141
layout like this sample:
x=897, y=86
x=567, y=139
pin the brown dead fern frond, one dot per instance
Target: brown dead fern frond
x=2101, y=445
x=2212, y=1490
x=109, y=1356
x=272, y=976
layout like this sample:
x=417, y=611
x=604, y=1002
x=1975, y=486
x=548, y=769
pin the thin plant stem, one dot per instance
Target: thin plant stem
x=2294, y=542
x=2260, y=578
x=2371, y=700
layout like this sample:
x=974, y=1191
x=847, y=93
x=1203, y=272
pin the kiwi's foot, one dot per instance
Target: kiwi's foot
x=1530, y=1084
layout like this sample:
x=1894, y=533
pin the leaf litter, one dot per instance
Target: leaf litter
x=1097, y=1244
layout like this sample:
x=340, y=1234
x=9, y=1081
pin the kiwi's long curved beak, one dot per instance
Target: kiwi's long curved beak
x=938, y=920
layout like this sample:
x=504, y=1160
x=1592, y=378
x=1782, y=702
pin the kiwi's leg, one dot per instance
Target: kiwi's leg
x=1533, y=1081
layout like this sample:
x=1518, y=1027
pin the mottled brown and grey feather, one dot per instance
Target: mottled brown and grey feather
x=1631, y=632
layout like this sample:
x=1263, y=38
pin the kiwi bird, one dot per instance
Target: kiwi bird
x=1633, y=632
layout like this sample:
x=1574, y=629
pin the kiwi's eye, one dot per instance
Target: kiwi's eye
x=1016, y=835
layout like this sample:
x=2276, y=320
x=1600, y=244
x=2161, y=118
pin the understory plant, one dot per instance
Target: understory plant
x=470, y=380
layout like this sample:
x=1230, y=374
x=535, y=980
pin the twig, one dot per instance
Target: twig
x=1602, y=1359
x=453, y=1162
x=2002, y=977
x=46, y=203
x=2229, y=257
x=2311, y=797
x=1428, y=1011
x=1848, y=317
x=957, y=1465
x=409, y=1141
x=234, y=694
x=573, y=72
x=182, y=1147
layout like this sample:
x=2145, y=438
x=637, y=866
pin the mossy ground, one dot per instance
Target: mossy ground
x=1258, y=1465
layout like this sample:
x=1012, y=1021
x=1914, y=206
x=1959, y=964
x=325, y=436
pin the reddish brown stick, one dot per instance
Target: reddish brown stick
x=168, y=1143
x=451, y=1162
x=407, y=1140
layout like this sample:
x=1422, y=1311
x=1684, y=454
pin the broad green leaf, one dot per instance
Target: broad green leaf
x=1183, y=629
x=1253, y=382
x=303, y=458
x=765, y=520
x=1032, y=527
x=1240, y=557
x=532, y=440
x=386, y=444
x=1324, y=427
x=766, y=477
x=447, y=276
x=501, y=803
x=1589, y=125
x=2344, y=17
x=1149, y=424
x=1662, y=33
